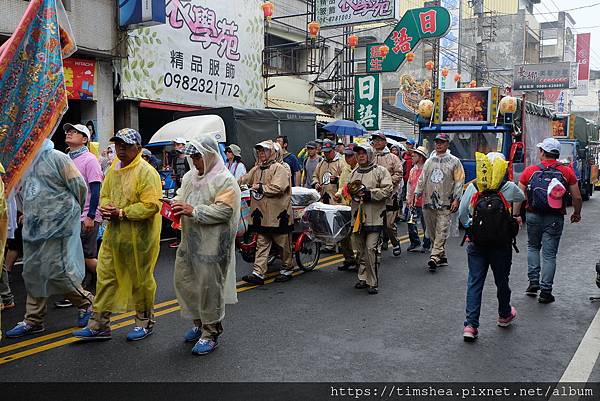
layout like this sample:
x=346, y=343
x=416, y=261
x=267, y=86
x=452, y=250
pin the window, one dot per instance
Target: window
x=427, y=55
x=464, y=144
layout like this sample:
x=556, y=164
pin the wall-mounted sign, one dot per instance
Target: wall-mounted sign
x=348, y=12
x=80, y=78
x=138, y=13
x=534, y=77
x=367, y=101
x=583, y=60
x=206, y=54
x=415, y=25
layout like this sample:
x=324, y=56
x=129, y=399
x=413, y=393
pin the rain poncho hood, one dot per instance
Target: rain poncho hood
x=491, y=170
x=130, y=246
x=370, y=154
x=273, y=155
x=54, y=193
x=204, y=274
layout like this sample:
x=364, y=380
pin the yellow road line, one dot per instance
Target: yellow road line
x=69, y=340
x=61, y=333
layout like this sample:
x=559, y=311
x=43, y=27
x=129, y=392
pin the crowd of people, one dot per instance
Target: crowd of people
x=68, y=201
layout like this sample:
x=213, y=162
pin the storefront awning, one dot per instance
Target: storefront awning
x=309, y=108
x=150, y=104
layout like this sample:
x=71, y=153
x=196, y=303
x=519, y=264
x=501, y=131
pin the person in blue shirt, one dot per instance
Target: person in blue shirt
x=291, y=160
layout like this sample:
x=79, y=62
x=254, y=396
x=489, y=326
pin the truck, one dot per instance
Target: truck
x=472, y=119
x=577, y=148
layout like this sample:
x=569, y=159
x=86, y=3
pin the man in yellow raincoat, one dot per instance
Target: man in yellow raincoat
x=130, y=201
x=209, y=205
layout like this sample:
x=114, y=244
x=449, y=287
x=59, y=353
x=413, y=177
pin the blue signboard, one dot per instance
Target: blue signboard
x=138, y=13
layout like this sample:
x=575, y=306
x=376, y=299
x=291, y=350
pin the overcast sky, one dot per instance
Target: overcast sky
x=587, y=20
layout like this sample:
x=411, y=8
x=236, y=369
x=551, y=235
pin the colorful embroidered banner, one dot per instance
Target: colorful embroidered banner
x=32, y=84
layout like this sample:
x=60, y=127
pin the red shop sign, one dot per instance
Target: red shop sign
x=80, y=78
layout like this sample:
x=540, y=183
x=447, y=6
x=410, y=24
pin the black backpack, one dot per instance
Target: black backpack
x=493, y=224
x=537, y=188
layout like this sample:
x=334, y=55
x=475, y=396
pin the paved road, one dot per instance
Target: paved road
x=319, y=328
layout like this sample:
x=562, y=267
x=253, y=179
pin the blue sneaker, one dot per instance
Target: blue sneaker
x=193, y=335
x=23, y=329
x=84, y=317
x=138, y=333
x=88, y=334
x=204, y=347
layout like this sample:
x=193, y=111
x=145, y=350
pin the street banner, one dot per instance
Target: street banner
x=80, y=78
x=583, y=61
x=32, y=83
x=534, y=77
x=206, y=55
x=332, y=13
x=367, y=101
x=449, y=49
x=415, y=25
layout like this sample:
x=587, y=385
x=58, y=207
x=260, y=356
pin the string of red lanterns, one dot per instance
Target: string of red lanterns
x=352, y=41
x=268, y=8
x=313, y=29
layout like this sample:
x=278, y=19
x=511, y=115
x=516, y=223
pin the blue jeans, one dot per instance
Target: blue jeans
x=543, y=234
x=480, y=258
x=413, y=230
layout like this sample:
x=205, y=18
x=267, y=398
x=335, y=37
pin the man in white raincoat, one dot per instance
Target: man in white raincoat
x=209, y=205
x=54, y=193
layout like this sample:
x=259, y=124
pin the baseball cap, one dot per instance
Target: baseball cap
x=189, y=150
x=550, y=145
x=179, y=140
x=319, y=141
x=556, y=191
x=411, y=141
x=328, y=145
x=442, y=137
x=311, y=144
x=378, y=134
x=77, y=127
x=349, y=150
x=127, y=135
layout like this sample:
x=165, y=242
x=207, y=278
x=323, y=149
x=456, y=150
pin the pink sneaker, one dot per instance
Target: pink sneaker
x=470, y=333
x=506, y=321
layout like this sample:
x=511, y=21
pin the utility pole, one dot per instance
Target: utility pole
x=479, y=57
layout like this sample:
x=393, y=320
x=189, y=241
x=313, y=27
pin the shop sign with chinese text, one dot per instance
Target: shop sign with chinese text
x=416, y=24
x=367, y=101
x=207, y=54
x=534, y=77
x=583, y=60
x=80, y=78
x=348, y=12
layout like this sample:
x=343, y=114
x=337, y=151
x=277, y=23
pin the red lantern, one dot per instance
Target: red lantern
x=410, y=57
x=352, y=41
x=383, y=50
x=457, y=77
x=429, y=65
x=268, y=8
x=445, y=72
x=313, y=29
x=473, y=84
